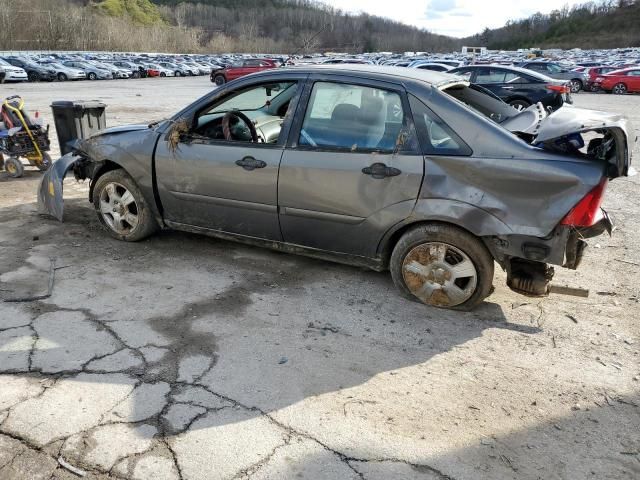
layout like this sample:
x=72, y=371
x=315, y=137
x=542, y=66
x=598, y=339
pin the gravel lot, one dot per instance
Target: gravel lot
x=187, y=357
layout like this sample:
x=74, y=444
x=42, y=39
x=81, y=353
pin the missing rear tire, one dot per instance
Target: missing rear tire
x=442, y=266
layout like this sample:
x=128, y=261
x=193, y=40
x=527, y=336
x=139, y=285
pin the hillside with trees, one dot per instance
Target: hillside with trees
x=272, y=26
x=602, y=24
x=287, y=26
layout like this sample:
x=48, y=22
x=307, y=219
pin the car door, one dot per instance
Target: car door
x=227, y=185
x=634, y=81
x=352, y=167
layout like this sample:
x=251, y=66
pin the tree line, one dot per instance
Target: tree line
x=596, y=24
x=271, y=26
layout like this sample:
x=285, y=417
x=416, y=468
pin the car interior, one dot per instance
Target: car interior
x=255, y=114
x=352, y=117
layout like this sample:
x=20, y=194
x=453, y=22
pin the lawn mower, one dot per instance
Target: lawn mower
x=20, y=136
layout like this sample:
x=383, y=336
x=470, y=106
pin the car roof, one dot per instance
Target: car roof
x=383, y=73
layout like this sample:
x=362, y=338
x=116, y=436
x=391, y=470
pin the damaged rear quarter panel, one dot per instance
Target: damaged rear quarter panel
x=497, y=196
x=506, y=187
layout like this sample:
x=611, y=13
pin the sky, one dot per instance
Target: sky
x=457, y=18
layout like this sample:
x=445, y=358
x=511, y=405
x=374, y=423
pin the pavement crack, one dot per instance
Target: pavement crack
x=254, y=468
x=344, y=458
x=174, y=457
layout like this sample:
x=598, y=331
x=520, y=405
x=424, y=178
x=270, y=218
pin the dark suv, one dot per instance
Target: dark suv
x=35, y=72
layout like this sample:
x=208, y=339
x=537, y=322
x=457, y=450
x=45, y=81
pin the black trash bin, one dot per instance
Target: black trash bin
x=77, y=120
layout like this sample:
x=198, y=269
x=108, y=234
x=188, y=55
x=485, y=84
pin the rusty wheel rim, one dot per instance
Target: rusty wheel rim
x=439, y=274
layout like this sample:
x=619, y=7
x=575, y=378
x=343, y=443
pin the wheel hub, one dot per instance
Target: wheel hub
x=439, y=274
x=118, y=208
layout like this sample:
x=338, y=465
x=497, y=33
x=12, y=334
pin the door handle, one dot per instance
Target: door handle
x=250, y=163
x=380, y=170
x=507, y=88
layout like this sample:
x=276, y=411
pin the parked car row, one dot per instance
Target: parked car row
x=543, y=75
x=62, y=67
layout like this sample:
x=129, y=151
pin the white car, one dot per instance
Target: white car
x=11, y=73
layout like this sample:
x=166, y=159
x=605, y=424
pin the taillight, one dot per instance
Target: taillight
x=587, y=211
x=559, y=88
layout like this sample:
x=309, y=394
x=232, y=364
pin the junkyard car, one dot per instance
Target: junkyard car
x=620, y=82
x=518, y=87
x=414, y=171
x=577, y=80
x=240, y=69
x=11, y=73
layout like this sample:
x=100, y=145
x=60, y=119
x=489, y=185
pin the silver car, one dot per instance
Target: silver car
x=64, y=72
x=91, y=71
x=412, y=171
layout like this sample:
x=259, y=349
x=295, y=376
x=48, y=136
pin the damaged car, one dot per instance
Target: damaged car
x=417, y=172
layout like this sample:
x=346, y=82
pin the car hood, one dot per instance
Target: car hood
x=120, y=129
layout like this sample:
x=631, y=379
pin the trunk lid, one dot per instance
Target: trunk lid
x=600, y=136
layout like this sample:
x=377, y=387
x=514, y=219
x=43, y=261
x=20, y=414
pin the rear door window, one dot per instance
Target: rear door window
x=490, y=75
x=354, y=118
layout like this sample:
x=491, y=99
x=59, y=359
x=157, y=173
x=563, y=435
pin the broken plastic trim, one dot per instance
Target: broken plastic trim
x=50, y=199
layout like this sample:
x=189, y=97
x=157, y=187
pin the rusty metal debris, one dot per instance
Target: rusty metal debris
x=75, y=470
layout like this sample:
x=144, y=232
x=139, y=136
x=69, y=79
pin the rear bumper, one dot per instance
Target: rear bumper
x=564, y=247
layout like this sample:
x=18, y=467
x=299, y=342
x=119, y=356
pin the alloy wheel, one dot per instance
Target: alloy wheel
x=439, y=274
x=118, y=208
x=620, y=89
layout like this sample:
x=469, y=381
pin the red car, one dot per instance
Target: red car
x=593, y=73
x=620, y=82
x=240, y=69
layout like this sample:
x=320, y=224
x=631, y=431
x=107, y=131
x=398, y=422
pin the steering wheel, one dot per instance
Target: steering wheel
x=226, y=125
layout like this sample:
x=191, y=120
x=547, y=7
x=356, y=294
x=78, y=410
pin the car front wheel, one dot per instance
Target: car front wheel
x=220, y=80
x=121, y=207
x=576, y=86
x=62, y=77
x=442, y=266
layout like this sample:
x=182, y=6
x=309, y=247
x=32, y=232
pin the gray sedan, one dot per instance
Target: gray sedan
x=406, y=170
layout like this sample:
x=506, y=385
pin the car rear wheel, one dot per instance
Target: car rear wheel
x=442, y=266
x=14, y=167
x=220, y=80
x=92, y=76
x=576, y=85
x=33, y=76
x=519, y=104
x=121, y=207
x=619, y=89
x=162, y=74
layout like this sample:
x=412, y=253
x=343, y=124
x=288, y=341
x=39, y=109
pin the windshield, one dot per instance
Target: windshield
x=4, y=62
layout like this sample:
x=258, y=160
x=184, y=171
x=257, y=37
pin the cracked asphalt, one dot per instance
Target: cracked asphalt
x=184, y=357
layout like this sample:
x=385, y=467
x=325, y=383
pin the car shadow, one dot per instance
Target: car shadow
x=597, y=442
x=251, y=329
